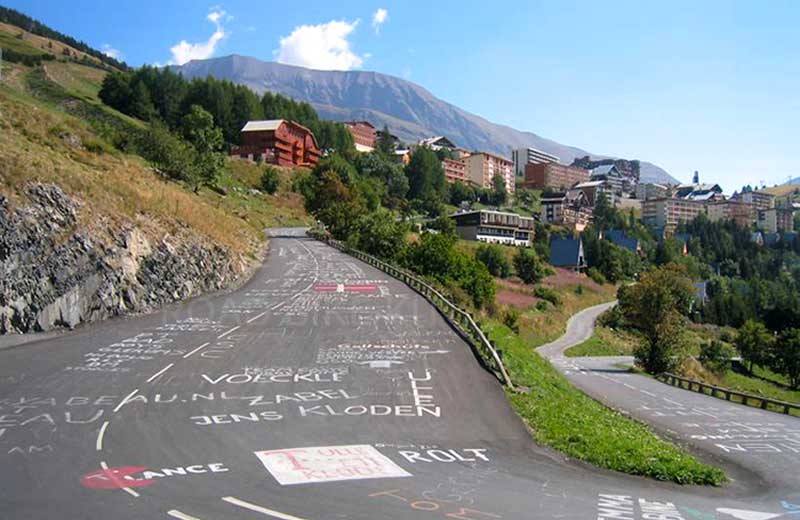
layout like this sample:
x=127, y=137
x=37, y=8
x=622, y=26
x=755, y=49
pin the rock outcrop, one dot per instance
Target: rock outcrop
x=56, y=273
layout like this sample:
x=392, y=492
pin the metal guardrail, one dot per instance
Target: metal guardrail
x=728, y=394
x=491, y=357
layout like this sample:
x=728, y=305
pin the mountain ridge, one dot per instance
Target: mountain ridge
x=411, y=111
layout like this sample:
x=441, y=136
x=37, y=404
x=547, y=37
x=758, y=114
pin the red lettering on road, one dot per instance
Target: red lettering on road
x=115, y=478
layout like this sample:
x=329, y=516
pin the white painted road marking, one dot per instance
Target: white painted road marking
x=99, y=444
x=747, y=515
x=260, y=509
x=155, y=376
x=127, y=398
x=254, y=318
x=195, y=350
x=183, y=516
x=126, y=489
x=227, y=332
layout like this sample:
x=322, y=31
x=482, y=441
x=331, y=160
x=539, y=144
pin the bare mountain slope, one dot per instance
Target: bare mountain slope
x=410, y=111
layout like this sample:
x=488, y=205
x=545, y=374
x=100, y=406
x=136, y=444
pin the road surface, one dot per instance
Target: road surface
x=322, y=389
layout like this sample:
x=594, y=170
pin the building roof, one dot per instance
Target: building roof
x=492, y=155
x=493, y=211
x=438, y=140
x=352, y=123
x=260, y=126
x=566, y=252
x=618, y=238
x=554, y=197
x=589, y=184
x=604, y=169
x=701, y=195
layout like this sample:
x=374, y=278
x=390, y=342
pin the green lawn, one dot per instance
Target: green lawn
x=604, y=342
x=756, y=386
x=563, y=417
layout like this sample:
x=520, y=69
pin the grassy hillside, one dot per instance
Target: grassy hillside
x=52, y=130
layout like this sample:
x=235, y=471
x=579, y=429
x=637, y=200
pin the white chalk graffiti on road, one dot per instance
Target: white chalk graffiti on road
x=328, y=464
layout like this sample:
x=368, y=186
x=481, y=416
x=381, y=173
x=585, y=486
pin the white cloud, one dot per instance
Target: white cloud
x=378, y=18
x=184, y=51
x=111, y=52
x=323, y=47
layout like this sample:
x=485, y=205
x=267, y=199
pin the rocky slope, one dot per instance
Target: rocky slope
x=57, y=272
x=409, y=110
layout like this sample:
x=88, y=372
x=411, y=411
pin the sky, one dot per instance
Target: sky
x=706, y=85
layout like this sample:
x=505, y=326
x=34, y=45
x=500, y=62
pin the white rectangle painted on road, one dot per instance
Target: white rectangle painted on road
x=328, y=464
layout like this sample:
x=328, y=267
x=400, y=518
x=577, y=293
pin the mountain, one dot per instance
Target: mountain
x=410, y=111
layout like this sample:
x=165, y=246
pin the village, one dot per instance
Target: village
x=567, y=194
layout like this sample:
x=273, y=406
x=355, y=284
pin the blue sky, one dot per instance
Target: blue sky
x=703, y=85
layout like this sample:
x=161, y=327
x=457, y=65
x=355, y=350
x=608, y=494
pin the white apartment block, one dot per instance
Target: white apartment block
x=522, y=156
x=483, y=166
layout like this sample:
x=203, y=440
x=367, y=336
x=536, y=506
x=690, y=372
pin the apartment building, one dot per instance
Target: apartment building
x=524, y=156
x=454, y=170
x=651, y=190
x=743, y=213
x=610, y=174
x=774, y=220
x=363, y=135
x=667, y=213
x=553, y=175
x=568, y=208
x=483, y=166
x=495, y=227
x=278, y=141
x=758, y=199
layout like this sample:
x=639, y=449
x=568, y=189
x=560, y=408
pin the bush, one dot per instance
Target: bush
x=270, y=180
x=527, y=265
x=548, y=294
x=511, y=320
x=596, y=276
x=613, y=318
x=715, y=356
x=579, y=290
x=541, y=306
x=494, y=259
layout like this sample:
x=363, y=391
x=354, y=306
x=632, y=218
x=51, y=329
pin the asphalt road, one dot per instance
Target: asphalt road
x=321, y=389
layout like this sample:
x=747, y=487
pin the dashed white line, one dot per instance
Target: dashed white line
x=228, y=332
x=645, y=392
x=126, y=489
x=99, y=443
x=626, y=385
x=174, y=513
x=127, y=398
x=155, y=376
x=254, y=318
x=260, y=509
x=188, y=354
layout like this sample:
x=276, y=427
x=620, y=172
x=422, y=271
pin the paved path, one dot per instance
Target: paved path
x=322, y=389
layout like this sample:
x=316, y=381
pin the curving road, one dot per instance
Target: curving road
x=322, y=389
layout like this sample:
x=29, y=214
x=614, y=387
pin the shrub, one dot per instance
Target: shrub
x=492, y=257
x=596, y=276
x=528, y=267
x=613, y=318
x=541, y=306
x=511, y=320
x=270, y=180
x=715, y=356
x=579, y=289
x=548, y=294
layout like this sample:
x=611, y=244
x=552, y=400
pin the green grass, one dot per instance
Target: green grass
x=11, y=42
x=604, y=342
x=563, y=417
